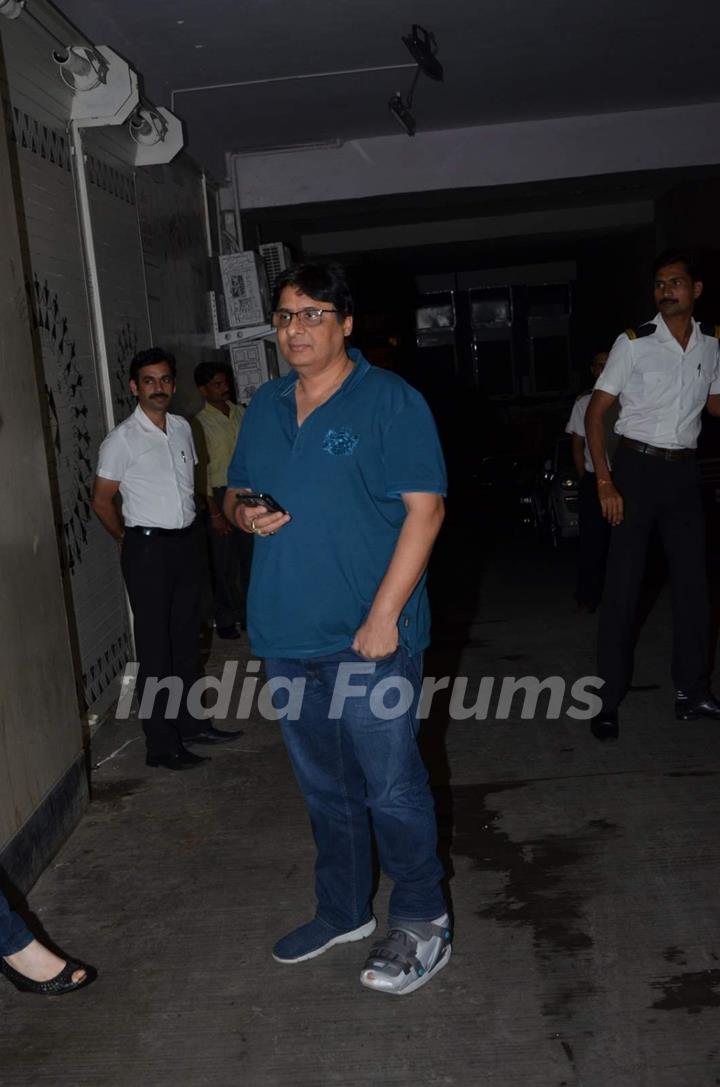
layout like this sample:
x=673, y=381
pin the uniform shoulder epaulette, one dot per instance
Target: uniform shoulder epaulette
x=709, y=329
x=640, y=331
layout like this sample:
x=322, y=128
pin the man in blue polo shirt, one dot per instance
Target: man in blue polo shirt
x=338, y=604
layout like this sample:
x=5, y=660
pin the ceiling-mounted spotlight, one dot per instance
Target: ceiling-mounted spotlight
x=82, y=68
x=401, y=113
x=147, y=127
x=11, y=8
x=423, y=47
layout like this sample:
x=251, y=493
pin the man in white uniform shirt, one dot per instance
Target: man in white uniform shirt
x=149, y=460
x=664, y=372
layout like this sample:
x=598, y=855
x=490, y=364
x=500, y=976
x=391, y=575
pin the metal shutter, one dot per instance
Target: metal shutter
x=59, y=313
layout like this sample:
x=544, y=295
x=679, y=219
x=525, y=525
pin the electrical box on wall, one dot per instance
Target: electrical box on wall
x=221, y=336
x=253, y=364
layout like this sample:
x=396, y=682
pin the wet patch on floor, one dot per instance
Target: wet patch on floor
x=112, y=793
x=690, y=992
x=675, y=955
x=570, y=1054
x=545, y=888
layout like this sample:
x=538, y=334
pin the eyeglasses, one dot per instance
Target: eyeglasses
x=308, y=317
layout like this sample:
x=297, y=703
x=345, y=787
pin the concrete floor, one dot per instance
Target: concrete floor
x=584, y=877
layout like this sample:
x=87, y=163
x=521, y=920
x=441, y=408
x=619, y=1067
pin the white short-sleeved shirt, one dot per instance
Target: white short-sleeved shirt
x=155, y=470
x=576, y=425
x=662, y=388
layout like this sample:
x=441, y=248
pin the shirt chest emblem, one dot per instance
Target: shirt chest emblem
x=340, y=442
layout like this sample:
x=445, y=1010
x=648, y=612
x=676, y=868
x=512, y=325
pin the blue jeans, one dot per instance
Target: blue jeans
x=14, y=933
x=361, y=773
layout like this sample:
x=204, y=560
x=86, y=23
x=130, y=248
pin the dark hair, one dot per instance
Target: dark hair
x=150, y=357
x=206, y=371
x=326, y=282
x=678, y=256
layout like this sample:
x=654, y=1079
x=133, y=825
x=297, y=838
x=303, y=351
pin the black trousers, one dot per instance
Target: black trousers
x=231, y=556
x=593, y=544
x=665, y=494
x=162, y=575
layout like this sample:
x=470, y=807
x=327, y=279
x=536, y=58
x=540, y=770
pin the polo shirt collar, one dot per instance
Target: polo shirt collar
x=286, y=385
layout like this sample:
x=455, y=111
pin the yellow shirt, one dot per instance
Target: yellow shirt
x=215, y=438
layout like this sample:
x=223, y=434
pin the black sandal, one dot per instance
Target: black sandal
x=57, y=986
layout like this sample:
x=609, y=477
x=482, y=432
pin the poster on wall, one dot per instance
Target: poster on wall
x=245, y=289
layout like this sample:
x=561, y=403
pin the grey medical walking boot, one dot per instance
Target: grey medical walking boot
x=408, y=957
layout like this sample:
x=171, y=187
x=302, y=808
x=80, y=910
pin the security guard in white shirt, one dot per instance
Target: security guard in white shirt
x=149, y=459
x=664, y=372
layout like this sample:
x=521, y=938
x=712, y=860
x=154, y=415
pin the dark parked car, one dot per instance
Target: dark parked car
x=506, y=486
x=555, y=496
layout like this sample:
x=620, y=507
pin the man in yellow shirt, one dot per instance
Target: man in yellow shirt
x=216, y=428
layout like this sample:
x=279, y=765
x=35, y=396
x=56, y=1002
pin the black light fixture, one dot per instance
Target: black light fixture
x=401, y=112
x=423, y=49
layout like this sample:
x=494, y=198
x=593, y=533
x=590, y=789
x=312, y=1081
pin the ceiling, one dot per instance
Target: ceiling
x=521, y=59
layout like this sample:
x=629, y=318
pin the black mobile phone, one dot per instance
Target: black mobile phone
x=265, y=500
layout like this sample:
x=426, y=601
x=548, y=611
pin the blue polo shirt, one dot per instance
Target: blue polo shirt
x=341, y=476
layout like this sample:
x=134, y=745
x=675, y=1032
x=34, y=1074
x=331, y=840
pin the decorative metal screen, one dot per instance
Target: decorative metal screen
x=74, y=419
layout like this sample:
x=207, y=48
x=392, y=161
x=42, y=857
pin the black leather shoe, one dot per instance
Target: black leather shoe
x=57, y=986
x=176, y=760
x=211, y=735
x=689, y=709
x=605, y=725
x=227, y=632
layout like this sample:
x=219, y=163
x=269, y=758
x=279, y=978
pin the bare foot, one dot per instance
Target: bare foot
x=38, y=963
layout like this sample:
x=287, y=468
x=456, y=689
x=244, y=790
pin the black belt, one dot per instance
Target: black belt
x=144, y=531
x=656, y=450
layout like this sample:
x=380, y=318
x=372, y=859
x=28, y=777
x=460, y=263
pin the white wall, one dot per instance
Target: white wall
x=475, y=157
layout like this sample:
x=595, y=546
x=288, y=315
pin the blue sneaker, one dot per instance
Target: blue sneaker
x=317, y=936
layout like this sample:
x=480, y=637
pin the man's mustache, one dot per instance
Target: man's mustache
x=158, y=396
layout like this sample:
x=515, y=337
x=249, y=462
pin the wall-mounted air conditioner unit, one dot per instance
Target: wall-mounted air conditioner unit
x=276, y=257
